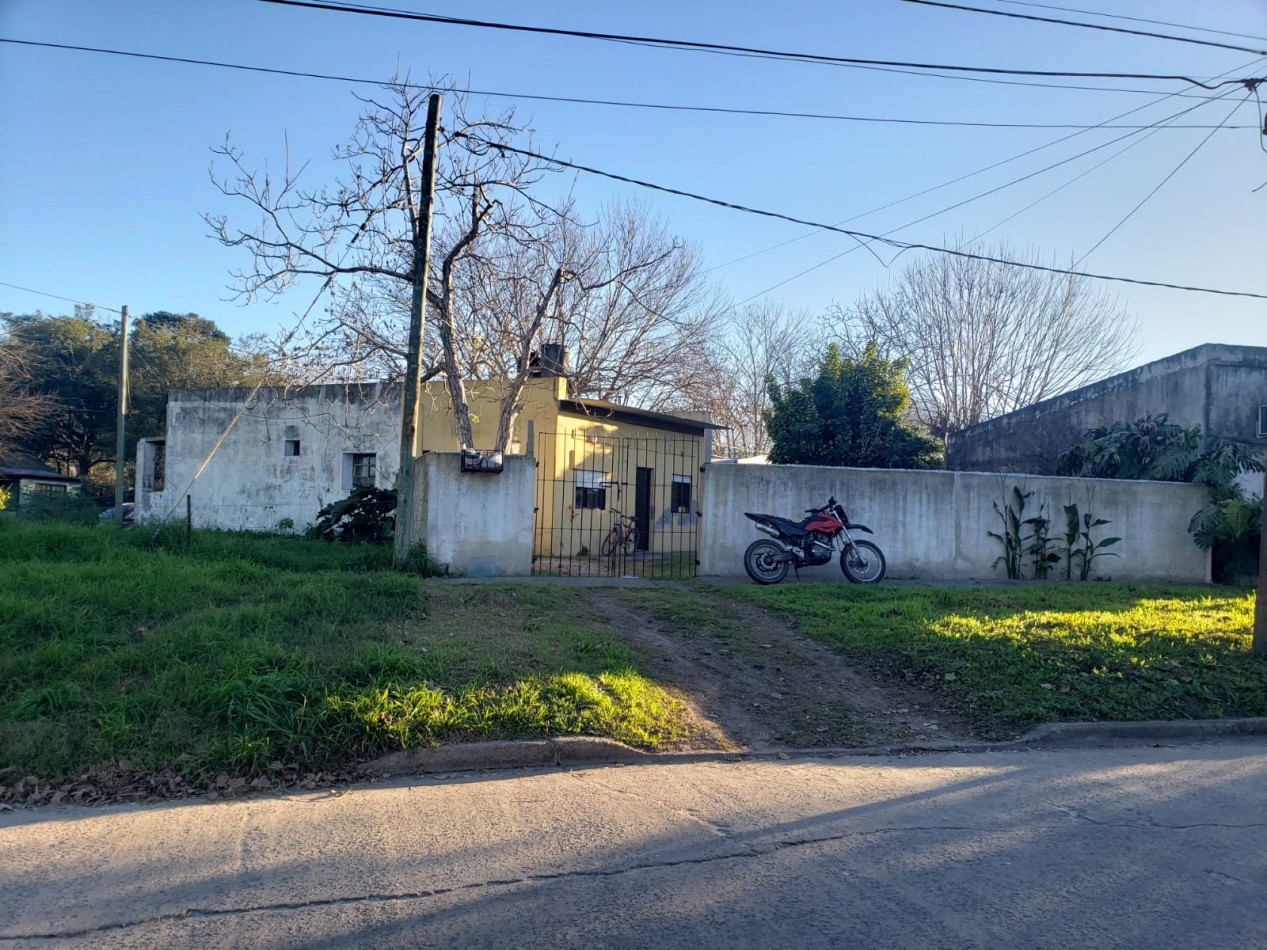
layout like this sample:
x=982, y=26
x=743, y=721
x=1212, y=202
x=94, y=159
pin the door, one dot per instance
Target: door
x=642, y=507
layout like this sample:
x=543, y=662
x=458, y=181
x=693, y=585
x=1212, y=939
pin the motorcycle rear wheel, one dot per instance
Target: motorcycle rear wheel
x=862, y=563
x=764, y=562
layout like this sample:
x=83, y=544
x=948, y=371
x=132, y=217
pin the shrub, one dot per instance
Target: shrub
x=366, y=516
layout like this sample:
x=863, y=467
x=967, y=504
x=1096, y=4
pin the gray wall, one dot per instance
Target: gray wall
x=932, y=525
x=1217, y=387
x=479, y=524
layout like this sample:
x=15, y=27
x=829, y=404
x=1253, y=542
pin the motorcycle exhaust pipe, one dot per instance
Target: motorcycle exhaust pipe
x=766, y=529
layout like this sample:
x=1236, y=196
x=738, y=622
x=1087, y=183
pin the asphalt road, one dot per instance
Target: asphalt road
x=1153, y=847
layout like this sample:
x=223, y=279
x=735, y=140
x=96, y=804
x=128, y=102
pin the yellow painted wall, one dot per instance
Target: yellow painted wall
x=539, y=398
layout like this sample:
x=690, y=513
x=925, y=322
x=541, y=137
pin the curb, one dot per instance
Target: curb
x=571, y=751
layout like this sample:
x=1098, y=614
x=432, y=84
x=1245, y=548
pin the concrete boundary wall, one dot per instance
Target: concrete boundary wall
x=479, y=524
x=932, y=525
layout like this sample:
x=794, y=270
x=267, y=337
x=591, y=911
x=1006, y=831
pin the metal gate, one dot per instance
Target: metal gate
x=609, y=506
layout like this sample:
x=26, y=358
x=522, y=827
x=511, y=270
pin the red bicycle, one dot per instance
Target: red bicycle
x=623, y=536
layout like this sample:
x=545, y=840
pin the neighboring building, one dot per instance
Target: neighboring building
x=27, y=479
x=288, y=453
x=1221, y=388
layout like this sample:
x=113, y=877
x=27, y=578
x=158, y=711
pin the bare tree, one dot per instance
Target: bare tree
x=22, y=408
x=985, y=338
x=761, y=342
x=510, y=269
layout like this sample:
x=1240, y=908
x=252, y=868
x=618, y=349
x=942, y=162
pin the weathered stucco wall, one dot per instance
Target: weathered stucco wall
x=252, y=482
x=478, y=524
x=1217, y=387
x=932, y=525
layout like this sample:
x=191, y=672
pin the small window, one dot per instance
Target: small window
x=681, y=500
x=591, y=489
x=43, y=488
x=1262, y=422
x=291, y=449
x=364, y=467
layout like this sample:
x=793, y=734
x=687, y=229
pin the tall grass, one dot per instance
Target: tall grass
x=232, y=652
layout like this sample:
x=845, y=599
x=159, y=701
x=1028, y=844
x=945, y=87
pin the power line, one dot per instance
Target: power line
x=1132, y=19
x=1143, y=201
x=618, y=103
x=994, y=227
x=859, y=236
x=701, y=46
x=953, y=181
x=44, y=293
x=1085, y=26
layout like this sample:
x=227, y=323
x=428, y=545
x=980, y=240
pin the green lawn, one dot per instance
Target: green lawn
x=1006, y=659
x=239, y=651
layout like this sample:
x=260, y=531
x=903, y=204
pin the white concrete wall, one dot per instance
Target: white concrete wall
x=932, y=525
x=250, y=482
x=479, y=524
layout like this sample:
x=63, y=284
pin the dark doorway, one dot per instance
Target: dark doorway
x=642, y=507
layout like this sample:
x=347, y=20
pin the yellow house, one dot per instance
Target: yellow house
x=602, y=469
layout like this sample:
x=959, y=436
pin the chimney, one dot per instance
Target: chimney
x=550, y=360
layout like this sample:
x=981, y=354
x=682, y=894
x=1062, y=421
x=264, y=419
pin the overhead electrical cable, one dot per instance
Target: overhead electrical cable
x=45, y=293
x=859, y=236
x=953, y=181
x=1087, y=26
x=1131, y=19
x=707, y=47
x=1143, y=201
x=1138, y=139
x=616, y=103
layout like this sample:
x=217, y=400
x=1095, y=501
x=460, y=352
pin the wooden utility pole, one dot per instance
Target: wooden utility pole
x=410, y=426
x=119, y=440
x=1260, y=605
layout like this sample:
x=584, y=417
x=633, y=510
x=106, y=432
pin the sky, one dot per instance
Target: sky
x=104, y=170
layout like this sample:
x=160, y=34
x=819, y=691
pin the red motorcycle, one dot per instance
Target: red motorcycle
x=809, y=543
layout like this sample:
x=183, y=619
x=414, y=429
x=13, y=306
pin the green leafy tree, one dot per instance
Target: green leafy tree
x=1155, y=448
x=74, y=362
x=852, y=414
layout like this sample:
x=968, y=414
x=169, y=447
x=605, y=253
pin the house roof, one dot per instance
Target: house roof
x=15, y=464
x=602, y=409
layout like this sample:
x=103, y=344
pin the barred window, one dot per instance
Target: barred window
x=364, y=468
x=681, y=500
x=591, y=489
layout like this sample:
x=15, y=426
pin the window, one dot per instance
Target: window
x=591, y=489
x=681, y=500
x=291, y=449
x=363, y=469
x=1262, y=422
x=43, y=488
x=155, y=473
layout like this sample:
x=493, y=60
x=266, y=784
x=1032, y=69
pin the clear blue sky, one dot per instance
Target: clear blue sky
x=104, y=164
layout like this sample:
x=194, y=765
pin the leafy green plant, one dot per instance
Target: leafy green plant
x=1042, y=557
x=1010, y=536
x=1073, y=527
x=1018, y=546
x=366, y=516
x=1090, y=548
x=70, y=507
x=1232, y=528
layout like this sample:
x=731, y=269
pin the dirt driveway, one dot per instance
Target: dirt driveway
x=755, y=682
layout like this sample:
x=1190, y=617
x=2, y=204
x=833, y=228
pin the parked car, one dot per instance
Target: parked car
x=129, y=509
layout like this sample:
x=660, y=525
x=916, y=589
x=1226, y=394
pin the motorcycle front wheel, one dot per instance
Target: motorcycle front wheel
x=862, y=563
x=765, y=562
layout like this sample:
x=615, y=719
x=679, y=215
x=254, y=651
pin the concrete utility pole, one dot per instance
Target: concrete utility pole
x=120, y=440
x=410, y=427
x=1260, y=604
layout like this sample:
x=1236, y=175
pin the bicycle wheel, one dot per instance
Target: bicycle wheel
x=863, y=563
x=608, y=547
x=630, y=543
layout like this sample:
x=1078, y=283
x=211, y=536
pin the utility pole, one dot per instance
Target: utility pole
x=1260, y=604
x=119, y=440
x=410, y=425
